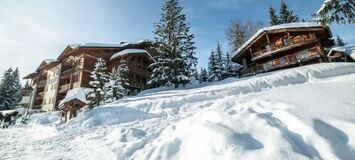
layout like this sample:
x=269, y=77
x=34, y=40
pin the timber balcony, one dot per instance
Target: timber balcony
x=283, y=62
x=283, y=45
x=42, y=83
x=64, y=88
x=39, y=96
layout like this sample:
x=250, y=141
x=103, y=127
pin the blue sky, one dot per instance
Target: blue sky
x=38, y=29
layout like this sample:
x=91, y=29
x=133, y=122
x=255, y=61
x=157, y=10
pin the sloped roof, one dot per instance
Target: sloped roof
x=275, y=27
x=46, y=62
x=101, y=45
x=348, y=49
x=128, y=51
x=74, y=94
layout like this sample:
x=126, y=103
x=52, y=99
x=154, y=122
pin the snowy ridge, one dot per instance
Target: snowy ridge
x=300, y=113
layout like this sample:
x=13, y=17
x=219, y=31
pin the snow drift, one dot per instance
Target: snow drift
x=300, y=113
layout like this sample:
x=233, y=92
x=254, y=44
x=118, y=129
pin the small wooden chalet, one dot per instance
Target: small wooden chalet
x=283, y=46
x=342, y=54
x=73, y=102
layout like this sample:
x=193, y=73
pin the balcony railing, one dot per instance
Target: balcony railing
x=42, y=83
x=301, y=56
x=67, y=72
x=280, y=46
x=64, y=88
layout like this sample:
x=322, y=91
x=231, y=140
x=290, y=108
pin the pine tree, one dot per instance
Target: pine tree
x=99, y=80
x=16, y=87
x=219, y=56
x=118, y=85
x=203, y=75
x=273, y=18
x=10, y=88
x=189, y=56
x=339, y=42
x=287, y=16
x=176, y=61
x=339, y=11
x=230, y=69
x=214, y=70
x=27, y=85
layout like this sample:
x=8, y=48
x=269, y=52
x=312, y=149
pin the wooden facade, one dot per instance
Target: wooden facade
x=283, y=47
x=78, y=61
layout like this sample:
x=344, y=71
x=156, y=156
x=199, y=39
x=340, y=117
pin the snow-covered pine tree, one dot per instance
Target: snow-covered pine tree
x=190, y=58
x=214, y=70
x=220, y=56
x=27, y=85
x=175, y=62
x=203, y=75
x=10, y=89
x=286, y=15
x=230, y=69
x=339, y=42
x=16, y=87
x=274, y=20
x=99, y=80
x=339, y=11
x=118, y=85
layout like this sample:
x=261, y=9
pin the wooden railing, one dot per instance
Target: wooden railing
x=295, y=58
x=64, y=88
x=280, y=45
x=67, y=72
x=42, y=83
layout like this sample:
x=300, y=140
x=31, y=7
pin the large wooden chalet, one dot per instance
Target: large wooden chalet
x=72, y=69
x=283, y=46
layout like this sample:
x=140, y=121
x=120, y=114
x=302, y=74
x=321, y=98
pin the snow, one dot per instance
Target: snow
x=348, y=49
x=48, y=61
x=105, y=45
x=325, y=3
x=128, y=51
x=48, y=118
x=301, y=113
x=275, y=27
x=76, y=93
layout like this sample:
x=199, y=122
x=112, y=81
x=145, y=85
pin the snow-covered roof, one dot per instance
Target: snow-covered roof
x=276, y=27
x=348, y=49
x=128, y=51
x=76, y=93
x=105, y=45
x=49, y=60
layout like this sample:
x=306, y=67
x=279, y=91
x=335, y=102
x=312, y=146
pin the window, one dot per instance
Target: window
x=44, y=101
x=78, y=62
x=50, y=100
x=52, y=87
x=76, y=78
x=285, y=41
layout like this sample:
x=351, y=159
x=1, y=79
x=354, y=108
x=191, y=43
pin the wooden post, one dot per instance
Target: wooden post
x=251, y=52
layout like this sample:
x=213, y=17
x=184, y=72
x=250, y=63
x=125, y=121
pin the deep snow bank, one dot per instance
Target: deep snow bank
x=48, y=118
x=172, y=101
x=300, y=113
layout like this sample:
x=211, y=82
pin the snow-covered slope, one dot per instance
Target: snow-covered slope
x=301, y=113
